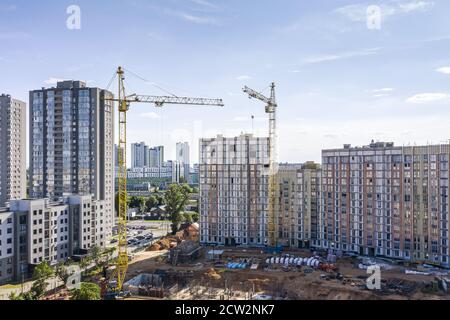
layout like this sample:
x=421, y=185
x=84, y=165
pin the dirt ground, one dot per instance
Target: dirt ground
x=217, y=283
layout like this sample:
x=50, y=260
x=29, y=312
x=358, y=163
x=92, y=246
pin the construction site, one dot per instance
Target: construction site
x=178, y=269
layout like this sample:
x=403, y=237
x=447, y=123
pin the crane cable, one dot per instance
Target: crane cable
x=150, y=82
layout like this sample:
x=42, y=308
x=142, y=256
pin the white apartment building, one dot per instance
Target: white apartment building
x=32, y=231
x=6, y=246
x=234, y=190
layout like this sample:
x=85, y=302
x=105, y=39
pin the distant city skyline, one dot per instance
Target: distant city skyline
x=338, y=81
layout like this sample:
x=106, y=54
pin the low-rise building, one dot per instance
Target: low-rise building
x=33, y=231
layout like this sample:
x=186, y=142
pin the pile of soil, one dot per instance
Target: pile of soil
x=212, y=274
x=164, y=244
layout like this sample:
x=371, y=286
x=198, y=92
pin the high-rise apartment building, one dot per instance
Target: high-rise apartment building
x=382, y=200
x=234, y=190
x=296, y=203
x=156, y=157
x=12, y=149
x=183, y=158
x=72, y=146
x=139, y=155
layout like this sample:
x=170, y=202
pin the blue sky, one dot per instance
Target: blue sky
x=337, y=80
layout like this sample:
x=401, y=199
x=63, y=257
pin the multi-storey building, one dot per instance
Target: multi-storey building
x=183, y=159
x=72, y=145
x=234, y=190
x=6, y=246
x=32, y=231
x=387, y=201
x=296, y=203
x=156, y=157
x=12, y=149
x=139, y=155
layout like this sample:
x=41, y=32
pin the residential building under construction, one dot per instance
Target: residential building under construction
x=383, y=200
x=234, y=190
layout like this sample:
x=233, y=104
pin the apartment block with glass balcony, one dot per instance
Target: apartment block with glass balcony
x=382, y=200
x=234, y=190
x=72, y=145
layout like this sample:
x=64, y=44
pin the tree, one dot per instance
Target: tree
x=195, y=216
x=62, y=273
x=176, y=198
x=41, y=274
x=188, y=218
x=87, y=291
x=152, y=202
x=142, y=205
x=95, y=254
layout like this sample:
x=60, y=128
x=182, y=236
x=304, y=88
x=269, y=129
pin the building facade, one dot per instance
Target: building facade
x=12, y=149
x=156, y=157
x=382, y=200
x=297, y=203
x=234, y=190
x=72, y=145
x=33, y=231
x=183, y=159
x=139, y=155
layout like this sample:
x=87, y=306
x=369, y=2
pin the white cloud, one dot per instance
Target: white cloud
x=341, y=56
x=382, y=93
x=383, y=90
x=241, y=119
x=205, y=3
x=151, y=115
x=193, y=18
x=243, y=78
x=53, y=81
x=444, y=70
x=416, y=6
x=428, y=97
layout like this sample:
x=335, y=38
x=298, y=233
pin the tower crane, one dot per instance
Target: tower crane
x=124, y=102
x=271, y=109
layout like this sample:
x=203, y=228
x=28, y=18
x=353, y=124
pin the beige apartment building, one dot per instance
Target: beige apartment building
x=383, y=200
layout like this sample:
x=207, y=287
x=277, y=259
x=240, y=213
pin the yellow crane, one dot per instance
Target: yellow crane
x=271, y=109
x=124, y=102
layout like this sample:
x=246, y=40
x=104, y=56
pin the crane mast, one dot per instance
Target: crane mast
x=124, y=102
x=271, y=109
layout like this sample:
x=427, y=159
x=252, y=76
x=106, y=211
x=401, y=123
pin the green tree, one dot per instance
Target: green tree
x=152, y=202
x=42, y=272
x=62, y=273
x=87, y=291
x=95, y=254
x=142, y=205
x=195, y=217
x=188, y=218
x=176, y=198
